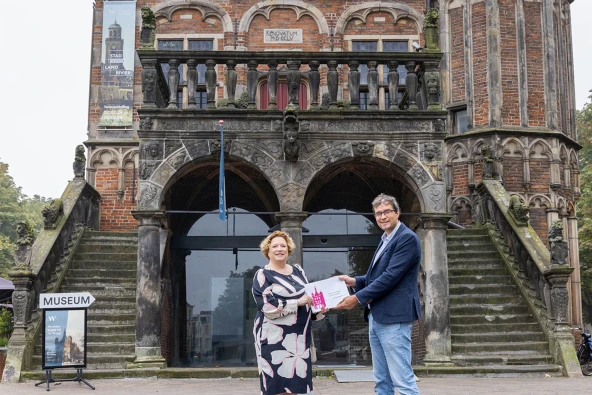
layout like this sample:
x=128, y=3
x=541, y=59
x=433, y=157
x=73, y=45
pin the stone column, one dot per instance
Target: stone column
x=332, y=84
x=354, y=84
x=149, y=82
x=173, y=82
x=574, y=261
x=148, y=293
x=372, y=85
x=272, y=83
x=293, y=80
x=252, y=79
x=291, y=223
x=437, y=298
x=393, y=83
x=191, y=82
x=231, y=79
x=314, y=78
x=432, y=79
x=411, y=82
x=211, y=79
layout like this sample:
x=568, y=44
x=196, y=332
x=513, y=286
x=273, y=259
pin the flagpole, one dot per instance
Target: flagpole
x=222, y=186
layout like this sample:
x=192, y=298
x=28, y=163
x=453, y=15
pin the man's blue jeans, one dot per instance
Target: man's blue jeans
x=391, y=358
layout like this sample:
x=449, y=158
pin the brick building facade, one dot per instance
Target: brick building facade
x=504, y=80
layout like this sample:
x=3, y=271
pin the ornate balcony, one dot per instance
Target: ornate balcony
x=421, y=88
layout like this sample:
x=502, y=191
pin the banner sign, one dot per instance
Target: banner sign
x=65, y=300
x=64, y=338
x=117, y=63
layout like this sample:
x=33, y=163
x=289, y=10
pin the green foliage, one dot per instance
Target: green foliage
x=6, y=324
x=584, y=123
x=15, y=206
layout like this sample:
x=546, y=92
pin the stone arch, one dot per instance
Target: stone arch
x=539, y=148
x=462, y=209
x=513, y=147
x=130, y=157
x=513, y=154
x=361, y=12
x=476, y=149
x=573, y=160
x=539, y=200
x=105, y=158
x=299, y=7
x=457, y=153
x=206, y=7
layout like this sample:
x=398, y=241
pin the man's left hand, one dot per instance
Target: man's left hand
x=348, y=303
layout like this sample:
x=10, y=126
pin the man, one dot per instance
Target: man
x=388, y=292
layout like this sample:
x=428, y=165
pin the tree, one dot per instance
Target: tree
x=15, y=206
x=584, y=124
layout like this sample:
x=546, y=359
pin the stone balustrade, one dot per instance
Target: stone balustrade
x=333, y=69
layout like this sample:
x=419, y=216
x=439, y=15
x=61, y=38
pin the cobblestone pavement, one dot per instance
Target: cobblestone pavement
x=427, y=386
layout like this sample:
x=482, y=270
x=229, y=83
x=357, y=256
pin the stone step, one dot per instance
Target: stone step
x=96, y=235
x=114, y=299
x=84, y=248
x=496, y=337
x=461, y=249
x=475, y=259
x=124, y=315
x=479, y=289
x=97, y=361
x=101, y=289
x=497, y=348
x=491, y=318
x=491, y=309
x=476, y=266
x=102, y=273
x=494, y=270
x=128, y=338
x=111, y=329
x=467, y=231
x=110, y=348
x=105, y=265
x=479, y=279
x=112, y=305
x=106, y=257
x=100, y=282
x=489, y=327
x=502, y=359
x=485, y=299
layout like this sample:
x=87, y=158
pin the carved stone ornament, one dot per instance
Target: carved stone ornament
x=215, y=146
x=153, y=150
x=148, y=28
x=79, y=162
x=146, y=169
x=146, y=123
x=52, y=213
x=24, y=244
x=147, y=196
x=487, y=162
x=363, y=148
x=559, y=247
x=439, y=126
x=291, y=129
x=430, y=151
x=518, y=211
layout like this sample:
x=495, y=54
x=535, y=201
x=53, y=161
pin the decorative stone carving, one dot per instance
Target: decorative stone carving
x=291, y=197
x=431, y=151
x=24, y=244
x=436, y=194
x=153, y=150
x=487, y=162
x=146, y=169
x=79, y=162
x=170, y=146
x=419, y=174
x=291, y=129
x=52, y=213
x=559, y=247
x=518, y=211
x=147, y=198
x=148, y=28
x=431, y=29
x=149, y=78
x=363, y=148
x=304, y=174
x=179, y=159
x=340, y=151
x=215, y=146
x=146, y=123
x=438, y=126
x=197, y=149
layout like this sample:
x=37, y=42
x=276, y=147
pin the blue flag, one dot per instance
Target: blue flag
x=222, y=188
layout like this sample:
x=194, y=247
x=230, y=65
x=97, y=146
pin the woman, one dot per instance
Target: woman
x=282, y=327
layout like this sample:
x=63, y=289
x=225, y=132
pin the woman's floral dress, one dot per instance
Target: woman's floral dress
x=282, y=332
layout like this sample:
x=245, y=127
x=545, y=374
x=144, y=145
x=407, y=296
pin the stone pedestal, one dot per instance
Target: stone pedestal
x=437, y=298
x=148, y=293
x=291, y=223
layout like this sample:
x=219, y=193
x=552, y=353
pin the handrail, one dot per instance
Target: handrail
x=50, y=257
x=541, y=280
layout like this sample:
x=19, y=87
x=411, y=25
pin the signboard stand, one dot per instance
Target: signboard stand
x=49, y=379
x=64, y=334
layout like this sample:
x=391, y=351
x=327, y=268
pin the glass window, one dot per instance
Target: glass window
x=201, y=45
x=171, y=45
x=201, y=98
x=180, y=99
x=461, y=121
x=364, y=46
x=396, y=46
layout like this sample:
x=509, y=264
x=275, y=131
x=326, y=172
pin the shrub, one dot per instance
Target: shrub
x=5, y=324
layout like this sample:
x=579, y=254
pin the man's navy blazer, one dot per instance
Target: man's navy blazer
x=390, y=286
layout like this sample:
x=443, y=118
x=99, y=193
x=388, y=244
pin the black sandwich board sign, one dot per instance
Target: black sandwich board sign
x=64, y=333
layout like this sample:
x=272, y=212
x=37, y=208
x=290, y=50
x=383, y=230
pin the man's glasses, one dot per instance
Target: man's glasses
x=379, y=214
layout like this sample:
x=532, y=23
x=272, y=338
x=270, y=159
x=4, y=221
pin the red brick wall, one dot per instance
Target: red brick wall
x=480, y=65
x=538, y=221
x=540, y=175
x=509, y=55
x=115, y=212
x=534, y=63
x=457, y=54
x=460, y=176
x=404, y=26
x=281, y=19
x=513, y=174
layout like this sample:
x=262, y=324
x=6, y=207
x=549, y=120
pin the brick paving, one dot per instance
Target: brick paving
x=427, y=386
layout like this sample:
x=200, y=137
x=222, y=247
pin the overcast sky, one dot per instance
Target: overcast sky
x=44, y=78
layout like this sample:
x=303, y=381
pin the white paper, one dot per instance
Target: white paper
x=326, y=293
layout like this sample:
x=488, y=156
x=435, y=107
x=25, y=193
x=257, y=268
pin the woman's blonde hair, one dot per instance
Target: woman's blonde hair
x=264, y=246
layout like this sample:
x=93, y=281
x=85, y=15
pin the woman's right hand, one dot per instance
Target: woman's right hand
x=305, y=300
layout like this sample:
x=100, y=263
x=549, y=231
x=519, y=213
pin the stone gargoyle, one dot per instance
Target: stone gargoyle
x=52, y=213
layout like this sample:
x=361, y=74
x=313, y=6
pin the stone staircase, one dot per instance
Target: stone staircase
x=104, y=264
x=491, y=325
